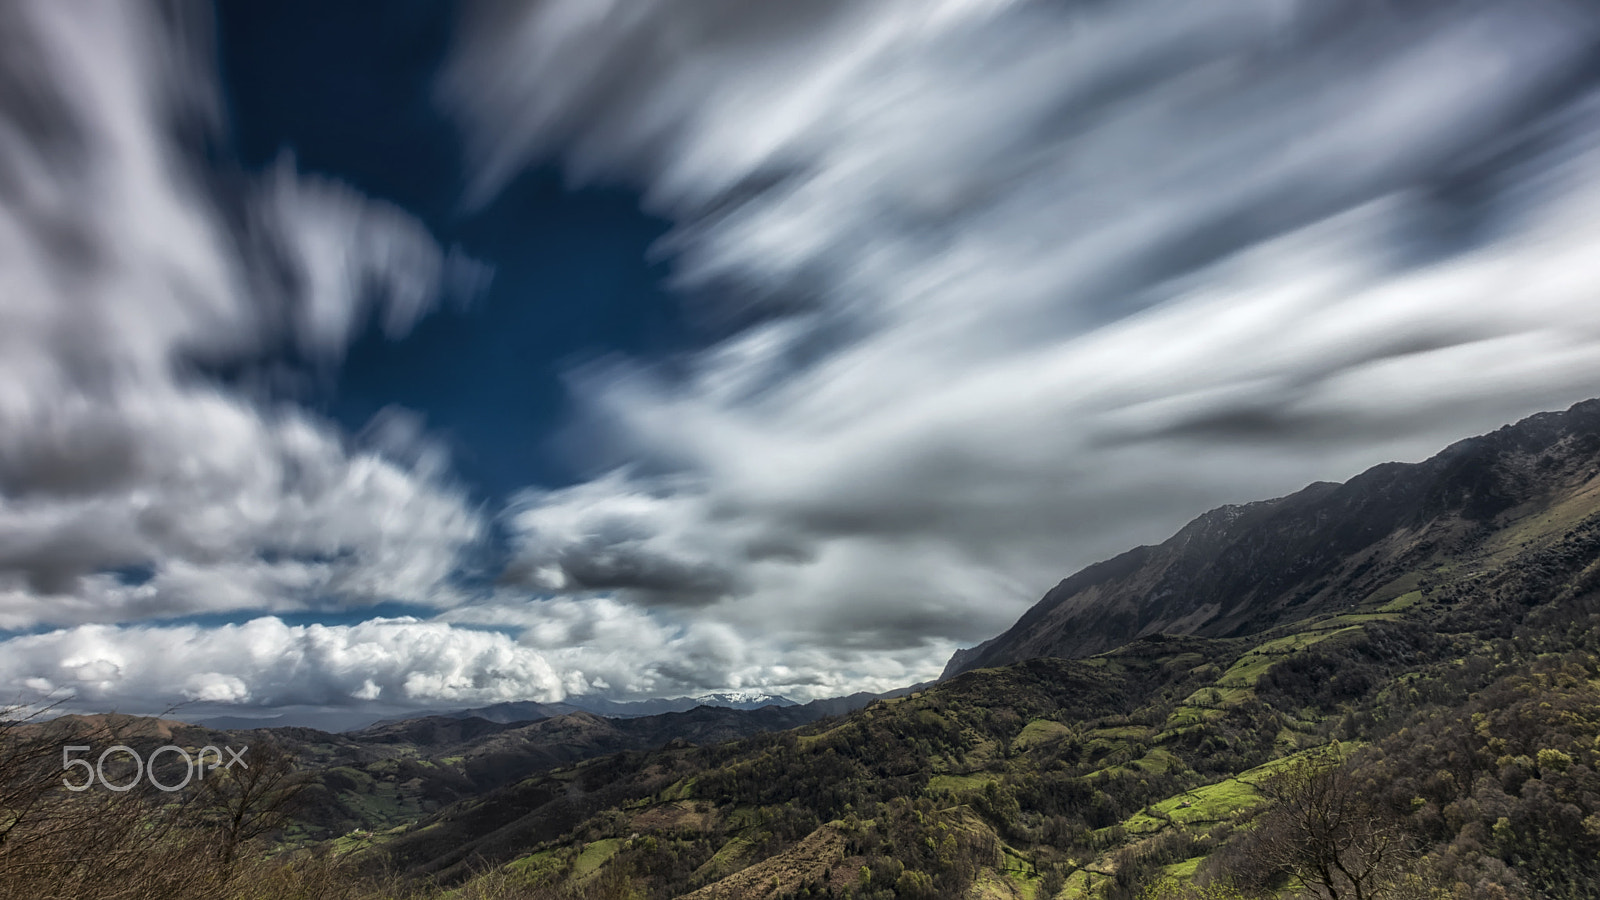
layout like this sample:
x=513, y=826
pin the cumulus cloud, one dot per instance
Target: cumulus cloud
x=567, y=647
x=1010, y=286
x=131, y=485
x=617, y=647
x=265, y=662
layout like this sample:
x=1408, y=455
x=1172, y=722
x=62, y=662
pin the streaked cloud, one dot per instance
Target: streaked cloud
x=1011, y=286
x=133, y=486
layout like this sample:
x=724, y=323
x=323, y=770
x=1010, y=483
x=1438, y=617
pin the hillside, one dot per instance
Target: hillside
x=392, y=773
x=1084, y=778
x=1328, y=548
x=1438, y=614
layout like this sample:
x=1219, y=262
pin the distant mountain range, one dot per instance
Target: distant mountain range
x=527, y=710
x=336, y=721
x=385, y=773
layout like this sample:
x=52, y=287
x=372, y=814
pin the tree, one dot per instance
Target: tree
x=60, y=839
x=251, y=798
x=1050, y=883
x=1324, y=832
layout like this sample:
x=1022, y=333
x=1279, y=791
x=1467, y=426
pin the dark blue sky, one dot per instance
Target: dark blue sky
x=348, y=89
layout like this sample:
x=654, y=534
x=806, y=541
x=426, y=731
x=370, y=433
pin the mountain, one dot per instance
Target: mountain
x=725, y=699
x=512, y=711
x=743, y=699
x=394, y=772
x=838, y=706
x=888, y=748
x=1326, y=549
x=528, y=711
x=332, y=720
x=402, y=770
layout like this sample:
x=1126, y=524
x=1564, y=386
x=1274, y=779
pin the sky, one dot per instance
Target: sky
x=416, y=355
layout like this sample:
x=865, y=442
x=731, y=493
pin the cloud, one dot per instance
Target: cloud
x=1000, y=287
x=265, y=662
x=345, y=253
x=617, y=532
x=1011, y=286
x=131, y=484
x=617, y=647
x=660, y=538
x=570, y=647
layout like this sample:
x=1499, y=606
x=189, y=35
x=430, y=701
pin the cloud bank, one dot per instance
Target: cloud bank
x=566, y=647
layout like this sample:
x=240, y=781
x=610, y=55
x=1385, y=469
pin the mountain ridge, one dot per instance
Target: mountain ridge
x=527, y=710
x=1243, y=568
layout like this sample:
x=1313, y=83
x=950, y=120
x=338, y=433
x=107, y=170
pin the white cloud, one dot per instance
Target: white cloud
x=120, y=271
x=614, y=646
x=575, y=647
x=268, y=663
x=347, y=251
x=1029, y=283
